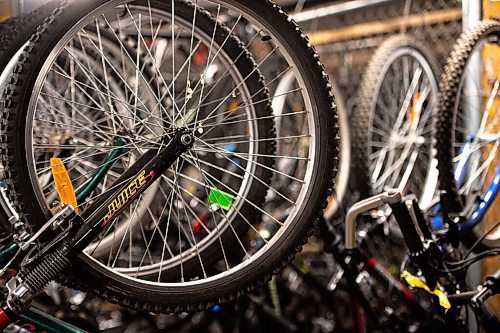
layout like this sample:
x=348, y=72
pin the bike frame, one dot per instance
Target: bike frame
x=56, y=256
x=486, y=200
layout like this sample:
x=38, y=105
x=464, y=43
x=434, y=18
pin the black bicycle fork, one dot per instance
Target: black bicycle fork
x=83, y=229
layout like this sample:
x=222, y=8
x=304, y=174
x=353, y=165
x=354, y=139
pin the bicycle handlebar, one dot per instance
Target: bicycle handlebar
x=389, y=197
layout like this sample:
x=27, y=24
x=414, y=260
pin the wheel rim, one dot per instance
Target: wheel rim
x=306, y=153
x=476, y=126
x=400, y=143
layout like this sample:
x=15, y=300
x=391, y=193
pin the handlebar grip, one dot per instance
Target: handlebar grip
x=408, y=229
x=494, y=282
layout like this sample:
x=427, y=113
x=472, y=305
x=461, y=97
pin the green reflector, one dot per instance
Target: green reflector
x=221, y=198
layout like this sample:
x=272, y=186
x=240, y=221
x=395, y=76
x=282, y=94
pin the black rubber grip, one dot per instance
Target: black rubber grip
x=493, y=282
x=408, y=229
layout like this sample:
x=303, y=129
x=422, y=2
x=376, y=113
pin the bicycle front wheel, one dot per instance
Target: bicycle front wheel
x=199, y=237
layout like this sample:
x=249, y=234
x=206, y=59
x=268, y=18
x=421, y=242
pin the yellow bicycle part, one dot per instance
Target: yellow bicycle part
x=63, y=183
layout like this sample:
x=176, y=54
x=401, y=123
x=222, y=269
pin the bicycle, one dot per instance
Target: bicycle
x=467, y=151
x=446, y=285
x=440, y=245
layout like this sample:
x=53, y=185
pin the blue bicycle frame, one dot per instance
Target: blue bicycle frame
x=486, y=200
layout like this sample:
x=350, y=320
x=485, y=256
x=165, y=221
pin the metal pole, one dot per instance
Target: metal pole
x=471, y=13
x=471, y=16
x=15, y=7
x=335, y=9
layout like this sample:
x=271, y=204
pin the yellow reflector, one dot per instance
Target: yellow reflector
x=233, y=106
x=416, y=107
x=63, y=183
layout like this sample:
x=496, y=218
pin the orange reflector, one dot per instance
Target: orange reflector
x=415, y=107
x=63, y=183
x=233, y=106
